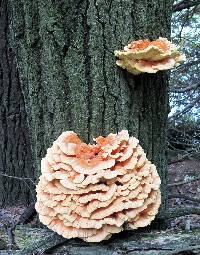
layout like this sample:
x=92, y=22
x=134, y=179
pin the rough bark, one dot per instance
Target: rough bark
x=15, y=159
x=39, y=241
x=69, y=77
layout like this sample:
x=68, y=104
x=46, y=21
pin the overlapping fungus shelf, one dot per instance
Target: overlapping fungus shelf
x=92, y=191
x=144, y=56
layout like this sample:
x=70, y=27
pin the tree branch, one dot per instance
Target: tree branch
x=186, y=109
x=18, y=178
x=188, y=88
x=185, y=66
x=183, y=182
x=185, y=5
x=177, y=212
x=24, y=179
x=174, y=195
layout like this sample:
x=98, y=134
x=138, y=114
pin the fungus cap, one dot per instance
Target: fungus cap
x=93, y=191
x=150, y=57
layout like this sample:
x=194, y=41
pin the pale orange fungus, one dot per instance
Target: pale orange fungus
x=144, y=56
x=93, y=191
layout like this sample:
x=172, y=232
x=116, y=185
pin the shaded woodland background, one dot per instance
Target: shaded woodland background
x=184, y=119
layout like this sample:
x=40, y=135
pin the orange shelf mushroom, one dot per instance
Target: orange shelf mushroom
x=144, y=56
x=93, y=191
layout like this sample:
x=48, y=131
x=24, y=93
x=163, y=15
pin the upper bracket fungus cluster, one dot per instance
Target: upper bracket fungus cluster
x=92, y=191
x=144, y=56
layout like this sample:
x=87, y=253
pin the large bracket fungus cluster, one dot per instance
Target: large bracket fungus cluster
x=92, y=191
x=144, y=56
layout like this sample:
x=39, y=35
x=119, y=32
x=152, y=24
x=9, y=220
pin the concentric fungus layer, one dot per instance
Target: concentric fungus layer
x=144, y=56
x=92, y=191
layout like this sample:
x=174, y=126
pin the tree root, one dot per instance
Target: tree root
x=178, y=212
x=23, y=219
x=185, y=197
x=183, y=182
x=140, y=242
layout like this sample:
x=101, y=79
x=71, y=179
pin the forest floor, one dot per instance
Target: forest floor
x=184, y=172
x=180, y=195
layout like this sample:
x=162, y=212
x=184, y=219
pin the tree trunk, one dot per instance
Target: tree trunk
x=15, y=150
x=69, y=77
